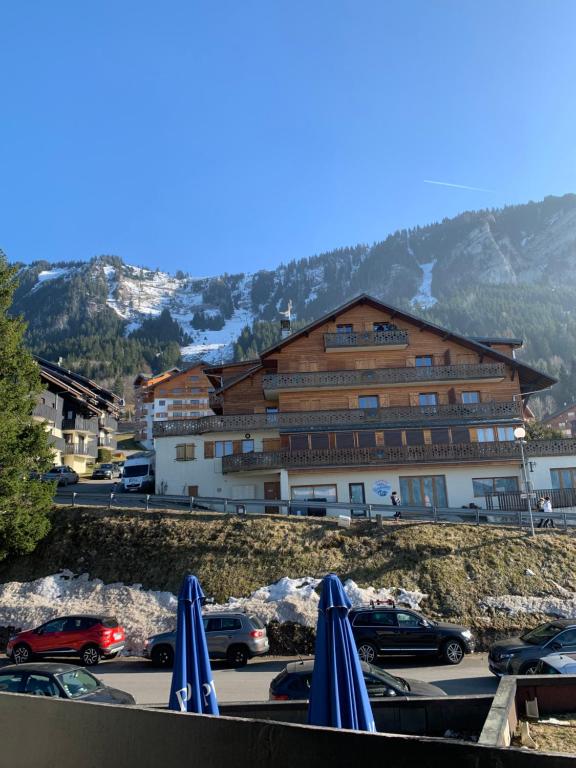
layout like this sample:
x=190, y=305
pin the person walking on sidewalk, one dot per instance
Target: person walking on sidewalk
x=549, y=521
x=396, y=501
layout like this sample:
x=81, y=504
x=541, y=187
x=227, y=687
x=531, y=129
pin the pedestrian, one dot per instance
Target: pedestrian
x=540, y=508
x=396, y=502
x=549, y=521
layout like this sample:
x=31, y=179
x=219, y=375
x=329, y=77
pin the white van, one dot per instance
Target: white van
x=138, y=474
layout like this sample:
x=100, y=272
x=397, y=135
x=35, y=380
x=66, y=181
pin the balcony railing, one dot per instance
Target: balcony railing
x=56, y=442
x=80, y=425
x=394, y=338
x=374, y=418
x=413, y=454
x=107, y=442
x=108, y=423
x=81, y=449
x=47, y=412
x=277, y=382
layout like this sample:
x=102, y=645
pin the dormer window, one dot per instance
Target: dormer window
x=344, y=328
x=383, y=326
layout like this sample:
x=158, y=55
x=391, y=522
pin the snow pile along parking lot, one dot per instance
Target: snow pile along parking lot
x=145, y=612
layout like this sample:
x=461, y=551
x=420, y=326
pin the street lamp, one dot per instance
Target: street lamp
x=520, y=435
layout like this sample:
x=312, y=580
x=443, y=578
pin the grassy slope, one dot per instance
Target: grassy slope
x=455, y=565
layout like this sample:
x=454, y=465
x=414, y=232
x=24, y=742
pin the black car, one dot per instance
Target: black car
x=392, y=631
x=295, y=680
x=62, y=681
x=520, y=655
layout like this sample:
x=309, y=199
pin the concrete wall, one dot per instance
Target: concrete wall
x=45, y=733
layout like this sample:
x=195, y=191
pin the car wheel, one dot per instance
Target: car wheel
x=90, y=655
x=162, y=656
x=21, y=653
x=529, y=668
x=367, y=652
x=237, y=655
x=453, y=652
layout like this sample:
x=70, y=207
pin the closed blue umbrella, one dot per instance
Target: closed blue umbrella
x=192, y=687
x=338, y=695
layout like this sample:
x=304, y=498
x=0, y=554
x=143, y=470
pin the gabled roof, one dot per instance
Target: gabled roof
x=530, y=378
x=90, y=394
x=488, y=340
x=559, y=412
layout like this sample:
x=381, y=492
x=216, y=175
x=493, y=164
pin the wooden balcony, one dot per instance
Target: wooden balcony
x=354, y=418
x=378, y=377
x=46, y=412
x=414, y=454
x=78, y=449
x=358, y=340
x=78, y=424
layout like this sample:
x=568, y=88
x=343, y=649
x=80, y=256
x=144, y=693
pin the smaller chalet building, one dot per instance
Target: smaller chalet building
x=563, y=420
x=366, y=400
x=79, y=414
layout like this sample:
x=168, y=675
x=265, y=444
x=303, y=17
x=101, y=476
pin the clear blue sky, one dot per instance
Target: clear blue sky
x=231, y=135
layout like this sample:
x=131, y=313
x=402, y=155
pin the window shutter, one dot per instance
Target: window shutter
x=414, y=399
x=180, y=452
x=190, y=450
x=384, y=400
x=209, y=450
x=237, y=446
x=451, y=395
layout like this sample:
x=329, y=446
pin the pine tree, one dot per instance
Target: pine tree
x=24, y=448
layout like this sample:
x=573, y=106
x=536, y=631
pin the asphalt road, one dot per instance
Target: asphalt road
x=251, y=683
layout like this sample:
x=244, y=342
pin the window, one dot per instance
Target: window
x=231, y=624
x=422, y=361
x=185, y=452
x=567, y=639
x=212, y=625
x=54, y=626
x=460, y=435
x=414, y=437
x=368, y=401
x=424, y=491
x=485, y=435
x=177, y=402
x=298, y=442
x=383, y=326
x=356, y=493
x=161, y=402
x=193, y=378
x=344, y=328
x=440, y=436
x=223, y=448
x=506, y=433
x=366, y=439
x=41, y=685
x=427, y=398
x=11, y=682
x=247, y=446
x=314, y=492
x=563, y=478
x=486, y=486
x=319, y=440
x=393, y=438
x=344, y=439
x=470, y=397
x=407, y=619
x=383, y=619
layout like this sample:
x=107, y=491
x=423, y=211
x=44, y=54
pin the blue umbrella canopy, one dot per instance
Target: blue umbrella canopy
x=338, y=695
x=192, y=687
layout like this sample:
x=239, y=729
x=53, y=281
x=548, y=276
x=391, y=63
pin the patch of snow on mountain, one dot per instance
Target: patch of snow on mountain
x=145, y=612
x=424, y=296
x=49, y=274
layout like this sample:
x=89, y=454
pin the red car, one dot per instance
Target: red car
x=89, y=637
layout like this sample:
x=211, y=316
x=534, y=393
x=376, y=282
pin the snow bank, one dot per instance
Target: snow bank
x=563, y=606
x=145, y=612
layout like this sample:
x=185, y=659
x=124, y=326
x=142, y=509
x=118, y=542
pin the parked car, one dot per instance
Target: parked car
x=235, y=637
x=296, y=678
x=106, y=472
x=520, y=655
x=63, y=681
x=63, y=475
x=557, y=664
x=391, y=631
x=89, y=637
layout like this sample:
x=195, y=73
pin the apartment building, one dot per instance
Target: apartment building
x=366, y=400
x=79, y=414
x=174, y=394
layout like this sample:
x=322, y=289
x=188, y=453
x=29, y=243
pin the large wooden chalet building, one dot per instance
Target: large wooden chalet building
x=366, y=400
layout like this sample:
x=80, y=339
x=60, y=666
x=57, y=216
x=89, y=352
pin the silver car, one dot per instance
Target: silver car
x=235, y=637
x=63, y=475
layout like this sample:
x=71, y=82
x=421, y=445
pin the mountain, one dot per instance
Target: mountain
x=491, y=272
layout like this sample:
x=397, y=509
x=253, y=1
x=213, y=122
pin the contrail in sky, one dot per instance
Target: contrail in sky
x=457, y=186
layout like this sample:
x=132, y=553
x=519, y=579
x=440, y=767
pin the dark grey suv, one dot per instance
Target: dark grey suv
x=520, y=655
x=235, y=637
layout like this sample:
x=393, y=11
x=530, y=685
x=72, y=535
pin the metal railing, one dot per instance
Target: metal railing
x=408, y=454
x=514, y=500
x=393, y=416
x=81, y=449
x=294, y=508
x=365, y=339
x=79, y=424
x=108, y=422
x=273, y=382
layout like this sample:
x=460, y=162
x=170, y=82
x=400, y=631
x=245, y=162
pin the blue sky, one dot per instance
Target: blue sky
x=233, y=135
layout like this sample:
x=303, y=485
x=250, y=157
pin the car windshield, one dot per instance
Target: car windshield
x=138, y=470
x=78, y=683
x=106, y=466
x=541, y=634
x=386, y=678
